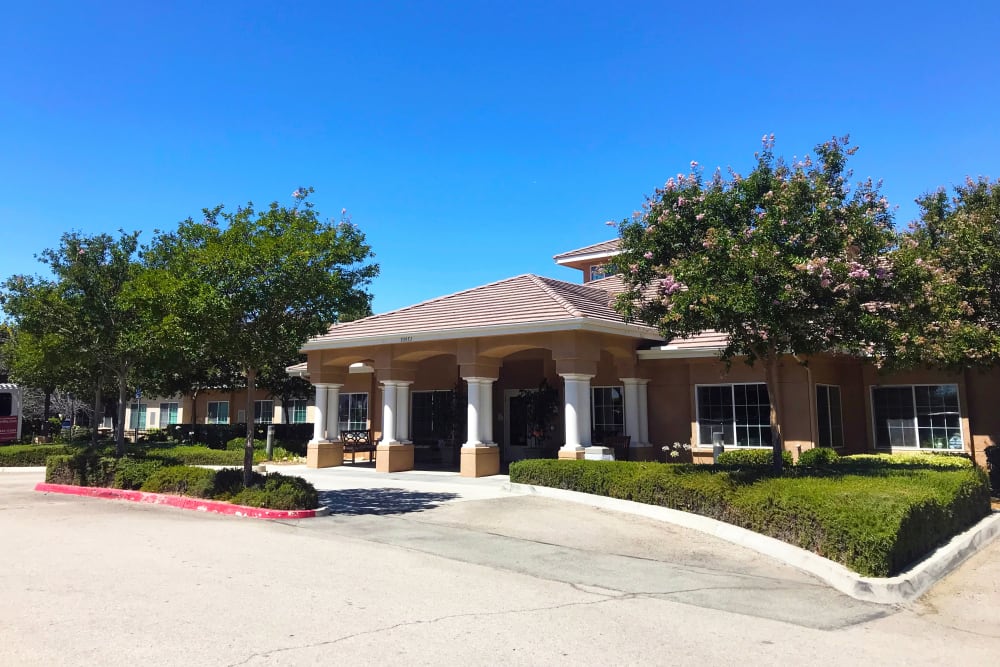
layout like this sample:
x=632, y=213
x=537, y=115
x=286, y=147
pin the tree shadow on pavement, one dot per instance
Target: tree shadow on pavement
x=381, y=501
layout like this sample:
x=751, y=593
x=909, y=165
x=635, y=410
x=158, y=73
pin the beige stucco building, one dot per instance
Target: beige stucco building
x=459, y=375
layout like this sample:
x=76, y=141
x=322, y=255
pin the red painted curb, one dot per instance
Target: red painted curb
x=183, y=502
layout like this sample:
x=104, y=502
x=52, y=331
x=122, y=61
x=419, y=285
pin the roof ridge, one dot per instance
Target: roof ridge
x=558, y=298
x=423, y=303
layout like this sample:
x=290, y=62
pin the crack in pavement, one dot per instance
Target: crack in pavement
x=483, y=614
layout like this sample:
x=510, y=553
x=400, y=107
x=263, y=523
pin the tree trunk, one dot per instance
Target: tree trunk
x=98, y=414
x=46, y=411
x=194, y=405
x=774, y=398
x=248, y=450
x=120, y=430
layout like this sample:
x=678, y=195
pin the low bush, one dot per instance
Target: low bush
x=752, y=457
x=132, y=472
x=876, y=520
x=182, y=480
x=292, y=436
x=239, y=444
x=81, y=469
x=197, y=455
x=279, y=492
x=18, y=456
x=818, y=457
x=906, y=461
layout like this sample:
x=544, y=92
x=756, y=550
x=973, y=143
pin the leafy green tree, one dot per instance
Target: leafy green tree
x=255, y=285
x=787, y=261
x=95, y=312
x=950, y=262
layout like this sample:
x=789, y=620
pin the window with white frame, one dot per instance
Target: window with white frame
x=168, y=414
x=598, y=271
x=296, y=411
x=607, y=411
x=353, y=413
x=829, y=420
x=924, y=416
x=137, y=416
x=739, y=413
x=218, y=412
x=263, y=412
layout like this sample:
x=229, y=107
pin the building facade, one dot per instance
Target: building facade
x=464, y=371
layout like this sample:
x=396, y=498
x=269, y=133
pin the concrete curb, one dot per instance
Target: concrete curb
x=182, y=502
x=890, y=590
x=22, y=469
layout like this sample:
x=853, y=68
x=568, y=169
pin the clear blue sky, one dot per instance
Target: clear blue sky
x=470, y=140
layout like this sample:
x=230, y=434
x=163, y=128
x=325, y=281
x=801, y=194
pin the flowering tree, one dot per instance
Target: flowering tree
x=787, y=261
x=949, y=261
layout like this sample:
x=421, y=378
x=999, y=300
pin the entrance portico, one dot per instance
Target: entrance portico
x=461, y=361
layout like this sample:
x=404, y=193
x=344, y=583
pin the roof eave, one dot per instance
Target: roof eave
x=576, y=324
x=585, y=258
x=669, y=352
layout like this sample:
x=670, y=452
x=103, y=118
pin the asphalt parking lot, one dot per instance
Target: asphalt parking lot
x=437, y=570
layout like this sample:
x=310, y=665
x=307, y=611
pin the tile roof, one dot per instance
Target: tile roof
x=707, y=339
x=522, y=300
x=604, y=247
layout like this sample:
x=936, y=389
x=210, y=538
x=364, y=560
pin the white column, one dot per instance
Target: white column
x=632, y=409
x=319, y=423
x=333, y=412
x=577, y=410
x=474, y=392
x=486, y=410
x=643, y=413
x=389, y=413
x=403, y=411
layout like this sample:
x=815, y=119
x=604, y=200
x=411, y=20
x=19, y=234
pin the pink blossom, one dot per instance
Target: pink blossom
x=699, y=217
x=648, y=255
x=670, y=285
x=694, y=165
x=824, y=283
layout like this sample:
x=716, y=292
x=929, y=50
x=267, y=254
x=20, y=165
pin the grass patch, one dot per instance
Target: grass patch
x=873, y=515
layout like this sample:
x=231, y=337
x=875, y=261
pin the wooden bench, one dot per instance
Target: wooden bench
x=358, y=440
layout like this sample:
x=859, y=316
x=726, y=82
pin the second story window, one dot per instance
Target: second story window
x=598, y=271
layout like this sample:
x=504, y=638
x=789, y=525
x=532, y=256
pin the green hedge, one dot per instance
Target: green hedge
x=818, y=457
x=752, y=457
x=183, y=481
x=19, y=456
x=164, y=475
x=876, y=521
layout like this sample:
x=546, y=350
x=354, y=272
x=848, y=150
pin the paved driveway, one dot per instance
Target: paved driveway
x=460, y=573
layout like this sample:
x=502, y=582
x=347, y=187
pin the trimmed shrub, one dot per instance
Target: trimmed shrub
x=876, y=520
x=182, y=480
x=906, y=461
x=688, y=487
x=197, y=455
x=818, y=457
x=17, y=456
x=229, y=482
x=239, y=444
x=132, y=473
x=752, y=457
x=292, y=436
x=82, y=469
x=279, y=492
